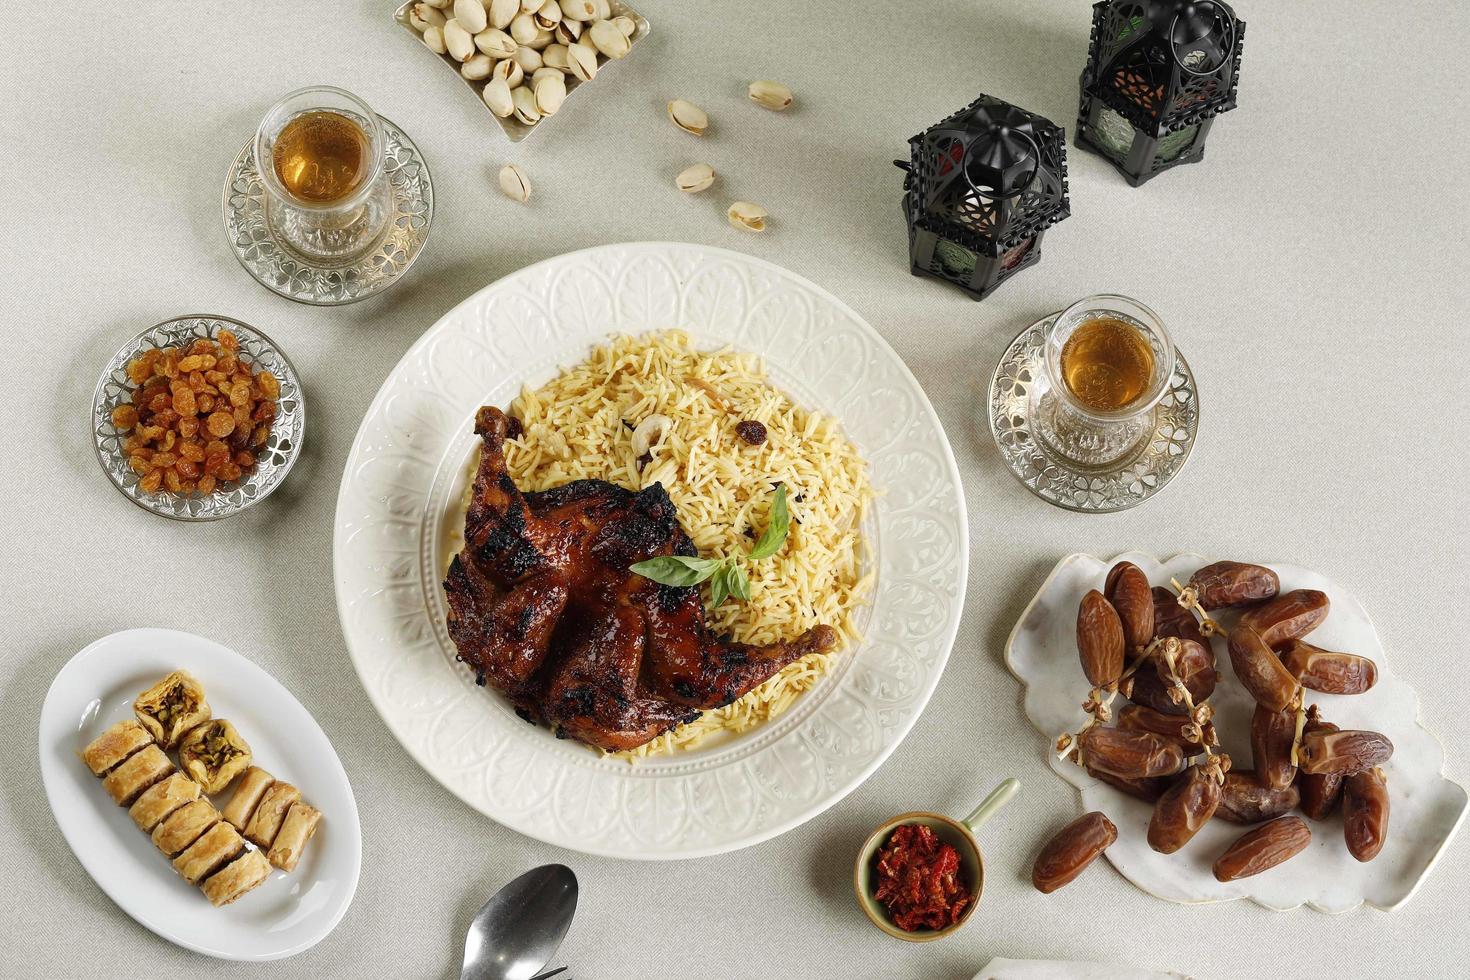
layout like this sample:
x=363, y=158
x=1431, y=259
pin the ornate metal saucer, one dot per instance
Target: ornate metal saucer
x=1015, y=393
x=285, y=271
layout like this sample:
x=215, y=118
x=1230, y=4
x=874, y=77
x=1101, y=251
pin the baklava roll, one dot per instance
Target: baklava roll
x=247, y=796
x=218, y=846
x=171, y=707
x=139, y=771
x=236, y=878
x=184, y=826
x=214, y=754
x=263, y=827
x=296, y=830
x=114, y=745
x=162, y=799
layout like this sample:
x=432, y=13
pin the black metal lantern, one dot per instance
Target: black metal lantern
x=982, y=187
x=1158, y=73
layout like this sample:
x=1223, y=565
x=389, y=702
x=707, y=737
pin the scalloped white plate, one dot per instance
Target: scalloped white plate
x=405, y=474
x=282, y=917
x=1426, y=807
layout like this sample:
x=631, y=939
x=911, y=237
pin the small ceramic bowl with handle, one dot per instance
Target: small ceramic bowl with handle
x=959, y=834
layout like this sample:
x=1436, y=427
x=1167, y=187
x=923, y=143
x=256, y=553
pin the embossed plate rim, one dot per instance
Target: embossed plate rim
x=660, y=816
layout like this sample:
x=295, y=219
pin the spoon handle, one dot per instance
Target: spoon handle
x=998, y=798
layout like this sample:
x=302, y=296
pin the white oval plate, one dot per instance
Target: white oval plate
x=285, y=915
x=1425, y=806
x=406, y=470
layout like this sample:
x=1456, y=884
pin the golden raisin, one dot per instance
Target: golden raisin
x=125, y=416
x=228, y=340
x=139, y=370
x=139, y=464
x=171, y=480
x=229, y=471
x=189, y=427
x=164, y=459
x=188, y=470
x=205, y=403
x=206, y=483
x=191, y=451
x=220, y=424
x=262, y=435
x=151, y=482
x=191, y=363
x=244, y=460
x=184, y=402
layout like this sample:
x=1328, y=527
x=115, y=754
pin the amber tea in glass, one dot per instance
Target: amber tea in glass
x=321, y=156
x=1106, y=363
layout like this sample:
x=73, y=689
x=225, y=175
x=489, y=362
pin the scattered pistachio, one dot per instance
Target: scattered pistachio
x=692, y=180
x=502, y=12
x=422, y=17
x=750, y=217
x=459, y=42
x=525, y=105
x=551, y=92
x=772, y=95
x=524, y=28
x=567, y=32
x=495, y=42
x=577, y=11
x=627, y=25
x=528, y=58
x=549, y=15
x=478, y=67
x=609, y=39
x=471, y=15
x=582, y=62
x=434, y=40
x=497, y=95
x=509, y=72
x=542, y=40
x=688, y=117
x=555, y=56
x=513, y=180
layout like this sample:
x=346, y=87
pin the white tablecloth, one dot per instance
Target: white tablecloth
x=1313, y=269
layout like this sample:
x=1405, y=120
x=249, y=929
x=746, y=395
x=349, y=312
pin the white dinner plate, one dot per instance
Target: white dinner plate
x=285, y=915
x=1426, y=807
x=406, y=471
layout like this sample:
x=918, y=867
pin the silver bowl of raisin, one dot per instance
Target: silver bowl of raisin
x=198, y=418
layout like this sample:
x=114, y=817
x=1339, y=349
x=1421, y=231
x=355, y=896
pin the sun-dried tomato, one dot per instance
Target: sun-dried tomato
x=920, y=880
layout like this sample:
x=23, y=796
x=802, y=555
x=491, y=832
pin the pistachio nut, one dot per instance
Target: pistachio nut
x=528, y=58
x=772, y=95
x=440, y=4
x=551, y=92
x=578, y=10
x=515, y=183
x=692, y=180
x=545, y=71
x=422, y=17
x=434, y=39
x=582, y=62
x=567, y=32
x=509, y=72
x=555, y=56
x=471, y=15
x=502, y=12
x=608, y=39
x=604, y=10
x=542, y=40
x=688, y=117
x=530, y=6
x=524, y=28
x=459, y=42
x=478, y=67
x=497, y=97
x=549, y=15
x=496, y=43
x=525, y=105
x=586, y=41
x=627, y=25
x=747, y=216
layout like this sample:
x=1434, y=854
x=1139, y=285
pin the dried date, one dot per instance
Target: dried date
x=1195, y=664
x=1263, y=848
x=1344, y=752
x=1319, y=792
x=1184, y=808
x=1365, y=813
x=1327, y=671
x=1149, y=790
x=1272, y=735
x=1233, y=583
x=1180, y=728
x=1073, y=848
x=1128, y=591
x=1245, y=799
x=1100, y=641
x=1133, y=755
x=1172, y=619
x=1260, y=670
x=1287, y=617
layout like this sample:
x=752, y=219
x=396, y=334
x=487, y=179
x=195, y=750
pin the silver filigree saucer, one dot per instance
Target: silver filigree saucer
x=288, y=273
x=1015, y=391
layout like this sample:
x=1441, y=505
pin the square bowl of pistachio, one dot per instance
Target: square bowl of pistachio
x=524, y=58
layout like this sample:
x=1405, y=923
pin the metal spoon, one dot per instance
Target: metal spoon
x=517, y=932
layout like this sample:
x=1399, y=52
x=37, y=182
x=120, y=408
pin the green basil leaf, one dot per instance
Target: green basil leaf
x=677, y=569
x=739, y=583
x=775, y=534
x=719, y=587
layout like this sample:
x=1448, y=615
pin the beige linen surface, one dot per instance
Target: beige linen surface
x=1313, y=270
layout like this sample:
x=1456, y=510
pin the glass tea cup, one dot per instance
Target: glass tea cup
x=1108, y=363
x=333, y=201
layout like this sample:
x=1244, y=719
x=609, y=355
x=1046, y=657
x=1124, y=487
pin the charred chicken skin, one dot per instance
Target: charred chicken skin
x=544, y=609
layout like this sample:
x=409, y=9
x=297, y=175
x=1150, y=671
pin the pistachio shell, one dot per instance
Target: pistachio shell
x=525, y=105
x=542, y=40
x=586, y=41
x=692, y=180
x=627, y=25
x=545, y=72
x=530, y=6
x=578, y=10
x=609, y=40
x=471, y=15
x=747, y=216
x=772, y=95
x=549, y=15
x=551, y=92
x=515, y=183
x=459, y=42
x=440, y=4
x=582, y=62
x=604, y=10
x=422, y=17
x=502, y=12
x=567, y=32
x=496, y=43
x=509, y=72
x=477, y=67
x=528, y=58
x=555, y=56
x=524, y=28
x=497, y=97
x=688, y=117
x=434, y=40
